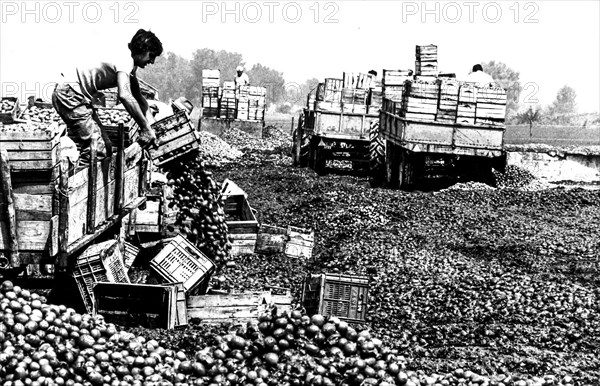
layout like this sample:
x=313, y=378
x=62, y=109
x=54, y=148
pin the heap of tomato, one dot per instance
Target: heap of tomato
x=45, y=344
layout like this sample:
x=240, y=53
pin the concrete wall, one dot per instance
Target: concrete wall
x=558, y=167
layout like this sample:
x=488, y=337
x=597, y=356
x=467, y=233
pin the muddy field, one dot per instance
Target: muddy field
x=493, y=280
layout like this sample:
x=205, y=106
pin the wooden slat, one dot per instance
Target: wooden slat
x=29, y=235
x=63, y=217
x=7, y=193
x=91, y=207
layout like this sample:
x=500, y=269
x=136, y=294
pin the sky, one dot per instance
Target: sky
x=550, y=43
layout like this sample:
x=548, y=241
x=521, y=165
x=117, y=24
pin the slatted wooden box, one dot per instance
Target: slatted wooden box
x=150, y=306
x=344, y=296
x=241, y=223
x=176, y=136
x=9, y=109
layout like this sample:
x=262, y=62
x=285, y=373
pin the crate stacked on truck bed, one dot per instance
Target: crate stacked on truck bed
x=426, y=61
x=449, y=101
x=353, y=94
x=110, y=118
x=9, y=109
x=393, y=83
x=211, y=92
x=251, y=103
x=227, y=107
x=40, y=113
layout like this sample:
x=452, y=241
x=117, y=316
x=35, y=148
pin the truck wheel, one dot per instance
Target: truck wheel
x=376, y=155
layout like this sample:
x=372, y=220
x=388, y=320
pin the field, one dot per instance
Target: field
x=553, y=135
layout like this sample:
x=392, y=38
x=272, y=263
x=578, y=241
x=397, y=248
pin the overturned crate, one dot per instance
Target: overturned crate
x=343, y=296
x=150, y=306
x=300, y=242
x=181, y=262
x=101, y=262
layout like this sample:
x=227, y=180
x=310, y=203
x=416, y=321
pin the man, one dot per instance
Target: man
x=72, y=97
x=479, y=77
x=242, y=78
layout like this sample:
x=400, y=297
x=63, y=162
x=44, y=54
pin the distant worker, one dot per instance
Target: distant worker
x=479, y=77
x=73, y=95
x=242, y=78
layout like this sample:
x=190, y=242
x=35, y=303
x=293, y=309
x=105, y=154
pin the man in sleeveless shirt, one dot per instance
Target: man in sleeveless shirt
x=72, y=97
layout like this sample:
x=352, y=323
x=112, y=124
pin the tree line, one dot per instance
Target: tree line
x=175, y=76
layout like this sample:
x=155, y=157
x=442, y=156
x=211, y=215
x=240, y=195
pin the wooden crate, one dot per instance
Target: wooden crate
x=271, y=239
x=110, y=119
x=241, y=223
x=176, y=136
x=181, y=262
x=9, y=109
x=149, y=219
x=30, y=146
x=344, y=296
x=300, y=242
x=150, y=306
x=41, y=112
x=228, y=308
x=101, y=262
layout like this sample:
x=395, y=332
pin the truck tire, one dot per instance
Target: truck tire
x=376, y=155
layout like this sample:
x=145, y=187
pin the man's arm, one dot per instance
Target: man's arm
x=137, y=94
x=133, y=105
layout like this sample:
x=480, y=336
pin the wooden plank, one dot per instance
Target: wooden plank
x=87, y=239
x=7, y=193
x=228, y=300
x=120, y=170
x=63, y=217
x=30, y=235
x=91, y=207
x=54, y=244
x=104, y=203
x=29, y=202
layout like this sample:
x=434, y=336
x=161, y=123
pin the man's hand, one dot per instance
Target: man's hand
x=148, y=138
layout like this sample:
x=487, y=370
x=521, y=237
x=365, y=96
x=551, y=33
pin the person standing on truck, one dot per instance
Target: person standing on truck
x=479, y=77
x=73, y=95
x=242, y=78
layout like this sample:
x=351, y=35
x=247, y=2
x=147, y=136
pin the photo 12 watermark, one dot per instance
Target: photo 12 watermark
x=25, y=90
x=470, y=11
x=69, y=11
x=269, y=12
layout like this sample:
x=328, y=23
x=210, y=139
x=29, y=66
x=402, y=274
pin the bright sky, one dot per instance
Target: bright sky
x=551, y=43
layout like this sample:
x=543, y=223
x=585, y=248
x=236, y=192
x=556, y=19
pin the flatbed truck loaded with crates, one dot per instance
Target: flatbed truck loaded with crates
x=51, y=209
x=338, y=124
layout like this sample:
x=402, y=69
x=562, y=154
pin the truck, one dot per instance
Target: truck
x=340, y=122
x=50, y=210
x=443, y=129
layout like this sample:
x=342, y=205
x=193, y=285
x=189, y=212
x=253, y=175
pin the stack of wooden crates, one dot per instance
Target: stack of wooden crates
x=211, y=92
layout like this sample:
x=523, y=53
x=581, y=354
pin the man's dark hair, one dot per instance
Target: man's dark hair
x=477, y=67
x=145, y=41
x=373, y=72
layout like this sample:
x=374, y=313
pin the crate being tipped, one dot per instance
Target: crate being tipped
x=175, y=135
x=181, y=262
x=344, y=296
